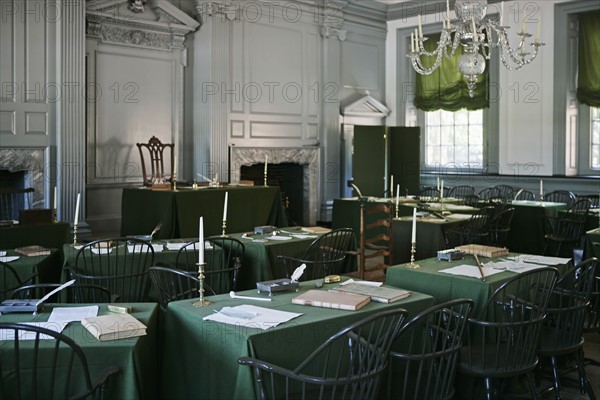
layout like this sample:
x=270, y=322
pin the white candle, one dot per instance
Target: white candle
x=448, y=10
x=76, y=219
x=417, y=43
x=420, y=27
x=414, y=226
x=437, y=186
x=539, y=30
x=54, y=204
x=266, y=161
x=442, y=190
x=501, y=13
x=541, y=187
x=412, y=42
x=201, y=240
x=397, y=195
x=523, y=25
x=475, y=37
x=225, y=206
x=392, y=186
x=174, y=167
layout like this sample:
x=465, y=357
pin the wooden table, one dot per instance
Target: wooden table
x=179, y=211
x=136, y=357
x=205, y=353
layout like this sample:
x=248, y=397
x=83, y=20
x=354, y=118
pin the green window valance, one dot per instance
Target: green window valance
x=588, y=81
x=445, y=88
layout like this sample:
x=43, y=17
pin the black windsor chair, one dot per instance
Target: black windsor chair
x=560, y=196
x=348, y=365
x=500, y=227
x=173, y=284
x=524, y=195
x=46, y=368
x=71, y=294
x=325, y=255
x=10, y=280
x=461, y=191
x=433, y=338
x=505, y=191
x=475, y=231
x=120, y=265
x=570, y=228
x=503, y=339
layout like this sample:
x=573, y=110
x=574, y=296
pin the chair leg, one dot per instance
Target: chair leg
x=488, y=389
x=583, y=376
x=555, y=379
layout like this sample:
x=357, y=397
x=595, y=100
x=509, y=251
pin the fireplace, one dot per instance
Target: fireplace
x=23, y=168
x=303, y=160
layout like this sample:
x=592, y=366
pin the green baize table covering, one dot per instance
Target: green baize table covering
x=206, y=352
x=136, y=357
x=179, y=211
x=46, y=266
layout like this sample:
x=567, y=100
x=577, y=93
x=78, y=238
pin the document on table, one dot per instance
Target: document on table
x=8, y=334
x=68, y=314
x=251, y=316
x=544, y=260
x=470, y=270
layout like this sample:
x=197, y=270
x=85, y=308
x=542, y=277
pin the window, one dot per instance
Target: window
x=595, y=137
x=454, y=140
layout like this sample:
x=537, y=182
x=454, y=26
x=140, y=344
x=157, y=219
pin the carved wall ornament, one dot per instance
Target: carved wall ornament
x=137, y=6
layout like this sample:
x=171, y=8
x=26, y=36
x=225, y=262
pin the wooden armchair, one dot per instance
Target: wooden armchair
x=375, y=237
x=155, y=150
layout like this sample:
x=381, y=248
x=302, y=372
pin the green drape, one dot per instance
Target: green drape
x=588, y=82
x=445, y=88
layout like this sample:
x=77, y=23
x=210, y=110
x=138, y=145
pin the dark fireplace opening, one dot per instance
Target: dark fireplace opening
x=290, y=179
x=13, y=180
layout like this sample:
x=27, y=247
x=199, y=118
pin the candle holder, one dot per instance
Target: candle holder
x=224, y=228
x=541, y=198
x=397, y=210
x=174, y=181
x=201, y=302
x=74, y=233
x=413, y=250
x=54, y=215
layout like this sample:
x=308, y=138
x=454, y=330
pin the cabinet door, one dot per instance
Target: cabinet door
x=368, y=159
x=405, y=158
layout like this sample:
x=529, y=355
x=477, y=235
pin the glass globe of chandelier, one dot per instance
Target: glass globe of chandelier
x=477, y=35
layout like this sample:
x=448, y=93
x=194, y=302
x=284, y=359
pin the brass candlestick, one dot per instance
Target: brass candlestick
x=265, y=180
x=75, y=234
x=224, y=227
x=397, y=210
x=174, y=181
x=413, y=250
x=55, y=215
x=201, y=302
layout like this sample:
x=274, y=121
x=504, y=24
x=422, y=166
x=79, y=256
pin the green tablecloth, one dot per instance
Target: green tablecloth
x=208, y=351
x=136, y=357
x=592, y=244
x=443, y=286
x=142, y=209
x=430, y=236
x=260, y=263
x=52, y=236
x=47, y=267
x=528, y=225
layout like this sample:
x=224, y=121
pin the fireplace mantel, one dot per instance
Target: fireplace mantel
x=306, y=156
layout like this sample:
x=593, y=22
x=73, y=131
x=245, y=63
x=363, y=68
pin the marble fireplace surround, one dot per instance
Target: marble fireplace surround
x=31, y=161
x=307, y=157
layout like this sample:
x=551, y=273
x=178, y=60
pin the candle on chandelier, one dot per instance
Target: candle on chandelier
x=475, y=38
x=412, y=42
x=417, y=39
x=524, y=17
x=501, y=13
x=448, y=10
x=539, y=30
x=201, y=240
x=420, y=27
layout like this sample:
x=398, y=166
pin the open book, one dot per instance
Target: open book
x=338, y=300
x=114, y=326
x=379, y=294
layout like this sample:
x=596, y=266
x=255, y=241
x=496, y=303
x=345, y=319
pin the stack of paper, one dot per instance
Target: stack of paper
x=251, y=316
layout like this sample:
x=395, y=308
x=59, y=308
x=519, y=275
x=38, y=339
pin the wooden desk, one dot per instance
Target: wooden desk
x=136, y=357
x=142, y=209
x=205, y=353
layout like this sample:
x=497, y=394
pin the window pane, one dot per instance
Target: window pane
x=595, y=137
x=454, y=139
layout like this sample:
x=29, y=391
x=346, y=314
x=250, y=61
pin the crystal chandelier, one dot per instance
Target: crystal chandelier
x=478, y=35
